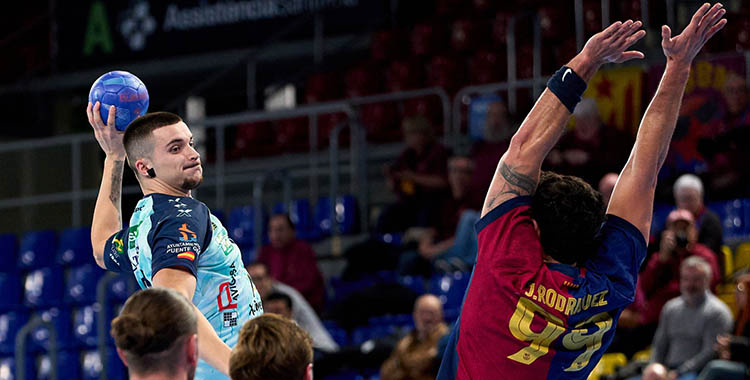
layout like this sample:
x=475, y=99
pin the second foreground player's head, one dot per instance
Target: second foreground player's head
x=272, y=347
x=157, y=333
x=569, y=213
x=159, y=148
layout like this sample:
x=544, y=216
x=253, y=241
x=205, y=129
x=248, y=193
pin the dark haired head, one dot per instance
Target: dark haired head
x=276, y=296
x=153, y=328
x=569, y=213
x=137, y=136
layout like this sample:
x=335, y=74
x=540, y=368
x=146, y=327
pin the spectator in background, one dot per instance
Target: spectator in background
x=292, y=261
x=418, y=177
x=450, y=244
x=278, y=303
x=486, y=153
x=660, y=281
x=272, y=347
x=688, y=326
x=591, y=149
x=607, y=185
x=301, y=311
x=415, y=355
x=156, y=335
x=688, y=195
x=734, y=351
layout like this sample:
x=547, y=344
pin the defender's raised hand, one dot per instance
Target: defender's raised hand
x=706, y=21
x=610, y=44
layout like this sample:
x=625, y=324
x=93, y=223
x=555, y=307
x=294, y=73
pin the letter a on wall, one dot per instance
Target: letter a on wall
x=97, y=31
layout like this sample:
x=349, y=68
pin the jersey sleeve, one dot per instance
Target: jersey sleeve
x=115, y=253
x=620, y=255
x=507, y=239
x=179, y=240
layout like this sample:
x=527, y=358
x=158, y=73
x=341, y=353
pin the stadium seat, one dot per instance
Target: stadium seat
x=8, y=368
x=403, y=75
x=592, y=16
x=241, y=226
x=732, y=216
x=554, y=22
x=450, y=288
x=60, y=319
x=345, y=211
x=500, y=28
x=742, y=256
x=92, y=366
x=426, y=106
x=327, y=123
x=292, y=135
x=446, y=72
x=8, y=252
x=37, y=249
x=362, y=80
x=386, y=45
x=43, y=287
x=608, y=365
x=391, y=238
x=252, y=140
x=119, y=289
x=74, y=247
x=488, y=66
x=84, y=325
x=68, y=365
x=321, y=87
x=10, y=324
x=10, y=288
x=727, y=258
x=81, y=283
x=415, y=283
x=659, y=219
x=380, y=121
x=427, y=40
x=301, y=215
x=450, y=315
x=467, y=34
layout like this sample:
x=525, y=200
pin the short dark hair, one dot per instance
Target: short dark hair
x=271, y=347
x=286, y=217
x=277, y=296
x=152, y=329
x=569, y=213
x=136, y=138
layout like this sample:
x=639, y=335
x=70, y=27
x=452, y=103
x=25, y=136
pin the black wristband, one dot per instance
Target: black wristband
x=567, y=86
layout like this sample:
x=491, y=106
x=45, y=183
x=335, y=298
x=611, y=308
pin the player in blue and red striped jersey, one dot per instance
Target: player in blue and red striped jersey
x=553, y=271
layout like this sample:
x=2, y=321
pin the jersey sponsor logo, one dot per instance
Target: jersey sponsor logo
x=185, y=213
x=118, y=246
x=181, y=247
x=226, y=244
x=186, y=234
x=177, y=203
x=133, y=235
x=190, y=255
x=228, y=291
x=230, y=319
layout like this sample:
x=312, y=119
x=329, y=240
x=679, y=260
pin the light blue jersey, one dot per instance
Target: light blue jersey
x=180, y=232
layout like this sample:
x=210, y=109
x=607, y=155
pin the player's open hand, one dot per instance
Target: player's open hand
x=108, y=137
x=610, y=44
x=706, y=21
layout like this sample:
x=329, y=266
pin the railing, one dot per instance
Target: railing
x=21, y=336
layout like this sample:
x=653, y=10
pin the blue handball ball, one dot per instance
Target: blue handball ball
x=124, y=91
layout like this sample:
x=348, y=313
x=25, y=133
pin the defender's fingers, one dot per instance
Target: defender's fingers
x=633, y=38
x=698, y=15
x=666, y=34
x=631, y=54
x=719, y=25
x=622, y=30
x=711, y=21
x=610, y=30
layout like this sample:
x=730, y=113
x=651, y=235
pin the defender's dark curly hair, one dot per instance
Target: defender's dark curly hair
x=569, y=213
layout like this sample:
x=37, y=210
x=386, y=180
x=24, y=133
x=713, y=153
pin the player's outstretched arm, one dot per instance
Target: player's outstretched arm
x=107, y=213
x=633, y=196
x=519, y=168
x=210, y=347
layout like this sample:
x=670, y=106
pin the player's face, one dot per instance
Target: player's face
x=175, y=159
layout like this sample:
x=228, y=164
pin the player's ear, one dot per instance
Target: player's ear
x=536, y=226
x=122, y=356
x=191, y=349
x=142, y=166
x=309, y=372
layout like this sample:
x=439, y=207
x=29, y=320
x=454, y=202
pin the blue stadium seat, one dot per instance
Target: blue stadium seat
x=8, y=252
x=241, y=226
x=343, y=289
x=84, y=325
x=91, y=367
x=346, y=214
x=10, y=324
x=68, y=365
x=43, y=287
x=339, y=335
x=732, y=214
x=61, y=320
x=119, y=289
x=300, y=214
x=361, y=335
x=415, y=283
x=345, y=375
x=74, y=247
x=391, y=238
x=10, y=288
x=37, y=249
x=450, y=288
x=659, y=220
x=81, y=283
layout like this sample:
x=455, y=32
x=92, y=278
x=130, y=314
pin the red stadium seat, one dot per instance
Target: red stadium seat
x=488, y=67
x=321, y=87
x=292, y=134
x=362, y=80
x=446, y=72
x=448, y=8
x=252, y=140
x=427, y=40
x=554, y=22
x=592, y=16
x=631, y=9
x=500, y=28
x=467, y=35
x=427, y=106
x=404, y=75
x=483, y=6
x=380, y=121
x=386, y=45
x=326, y=124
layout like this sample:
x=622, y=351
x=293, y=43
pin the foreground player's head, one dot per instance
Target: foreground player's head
x=569, y=214
x=159, y=148
x=272, y=347
x=157, y=333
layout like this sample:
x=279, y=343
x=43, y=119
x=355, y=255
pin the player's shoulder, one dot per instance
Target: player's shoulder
x=169, y=206
x=504, y=210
